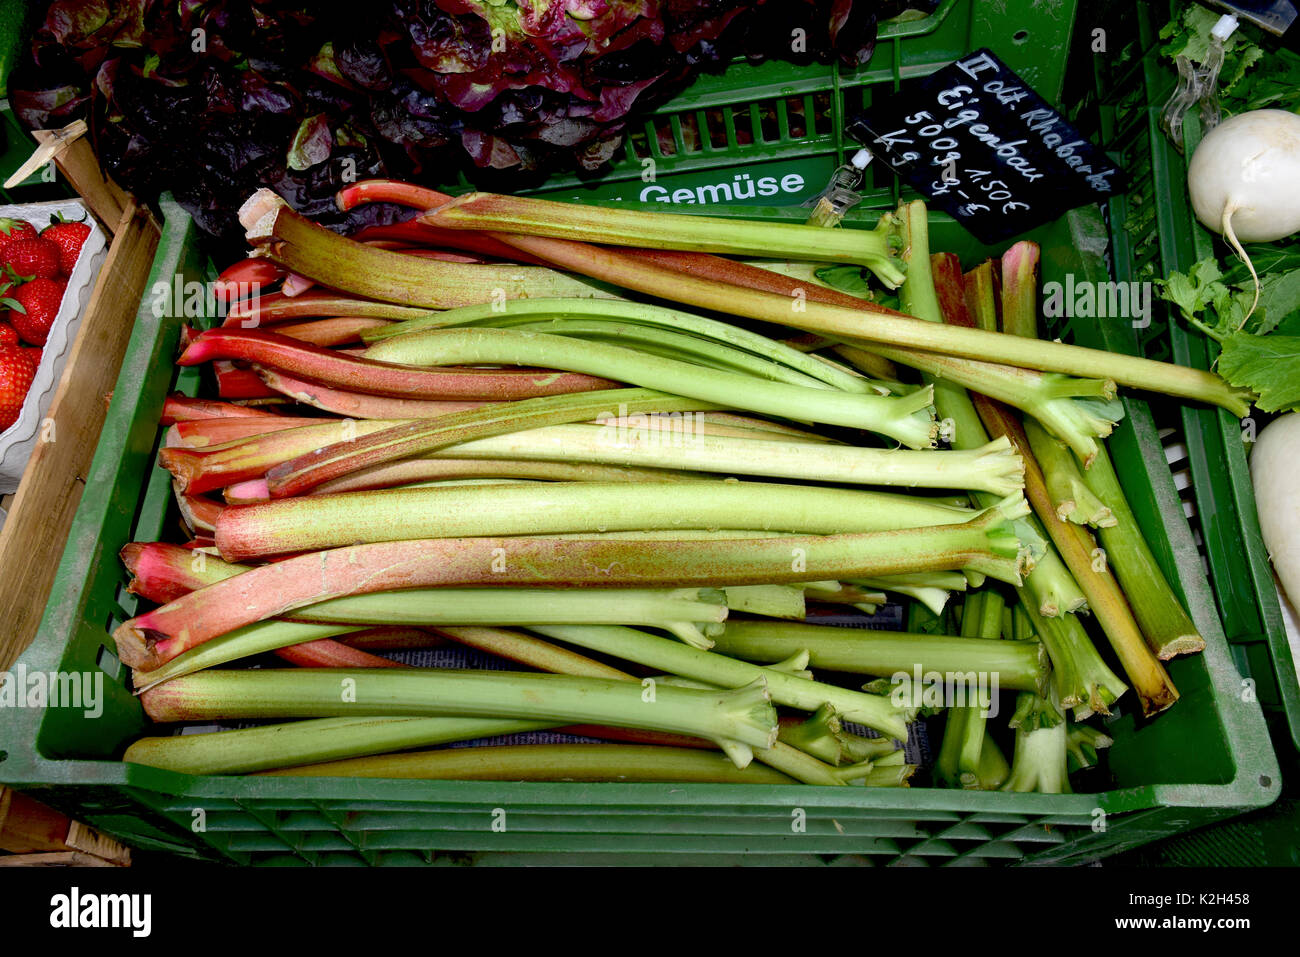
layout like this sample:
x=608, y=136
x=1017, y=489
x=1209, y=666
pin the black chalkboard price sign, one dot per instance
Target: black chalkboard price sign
x=978, y=143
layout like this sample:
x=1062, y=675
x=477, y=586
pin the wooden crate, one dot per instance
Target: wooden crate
x=36, y=835
x=40, y=514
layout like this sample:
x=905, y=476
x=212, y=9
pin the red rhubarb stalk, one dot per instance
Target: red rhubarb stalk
x=182, y=408
x=331, y=331
x=388, y=191
x=985, y=544
x=357, y=404
x=204, y=470
x=206, y=433
x=234, y=382
x=380, y=378
x=328, y=653
x=246, y=279
x=276, y=307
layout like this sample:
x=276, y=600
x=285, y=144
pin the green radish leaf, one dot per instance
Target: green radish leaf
x=1268, y=365
x=1267, y=257
x=1279, y=298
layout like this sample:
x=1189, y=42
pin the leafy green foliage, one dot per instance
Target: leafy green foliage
x=1254, y=355
x=1268, y=365
x=1243, y=83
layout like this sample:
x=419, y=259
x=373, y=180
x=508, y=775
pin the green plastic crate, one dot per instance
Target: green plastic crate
x=1206, y=760
x=777, y=120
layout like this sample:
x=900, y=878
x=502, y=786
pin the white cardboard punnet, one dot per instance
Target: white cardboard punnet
x=18, y=441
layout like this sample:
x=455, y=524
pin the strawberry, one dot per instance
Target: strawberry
x=17, y=369
x=69, y=236
x=34, y=307
x=13, y=229
x=8, y=335
x=32, y=257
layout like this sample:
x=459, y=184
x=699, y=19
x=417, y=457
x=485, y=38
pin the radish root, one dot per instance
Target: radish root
x=1226, y=230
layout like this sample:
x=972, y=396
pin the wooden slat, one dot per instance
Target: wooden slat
x=80, y=168
x=32, y=540
x=27, y=826
x=57, y=859
x=89, y=841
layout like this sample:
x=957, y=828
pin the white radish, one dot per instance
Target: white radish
x=1273, y=468
x=1244, y=180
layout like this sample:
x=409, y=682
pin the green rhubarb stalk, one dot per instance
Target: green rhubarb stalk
x=932, y=591
x=987, y=543
x=1145, y=673
x=538, y=217
x=907, y=419
x=1082, y=744
x=310, y=250
x=527, y=311
x=306, y=471
x=981, y=295
x=895, y=776
x=1079, y=411
x=1053, y=399
x=307, y=742
x=1020, y=290
x=587, y=762
x=841, y=593
x=960, y=753
x=669, y=344
x=244, y=642
x=735, y=720
x=1073, y=499
x=1055, y=592
x=396, y=474
x=1040, y=757
x=1166, y=626
x=772, y=601
x=528, y=650
x=880, y=751
x=818, y=735
x=1015, y=665
x=692, y=663
x=533, y=651
x=316, y=522
x=869, y=323
x=993, y=770
x=1076, y=667
x=667, y=444
x=623, y=763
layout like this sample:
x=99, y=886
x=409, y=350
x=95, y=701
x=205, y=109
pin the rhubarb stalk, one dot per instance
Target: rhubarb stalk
x=735, y=720
x=986, y=543
x=904, y=418
x=313, y=523
x=872, y=324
